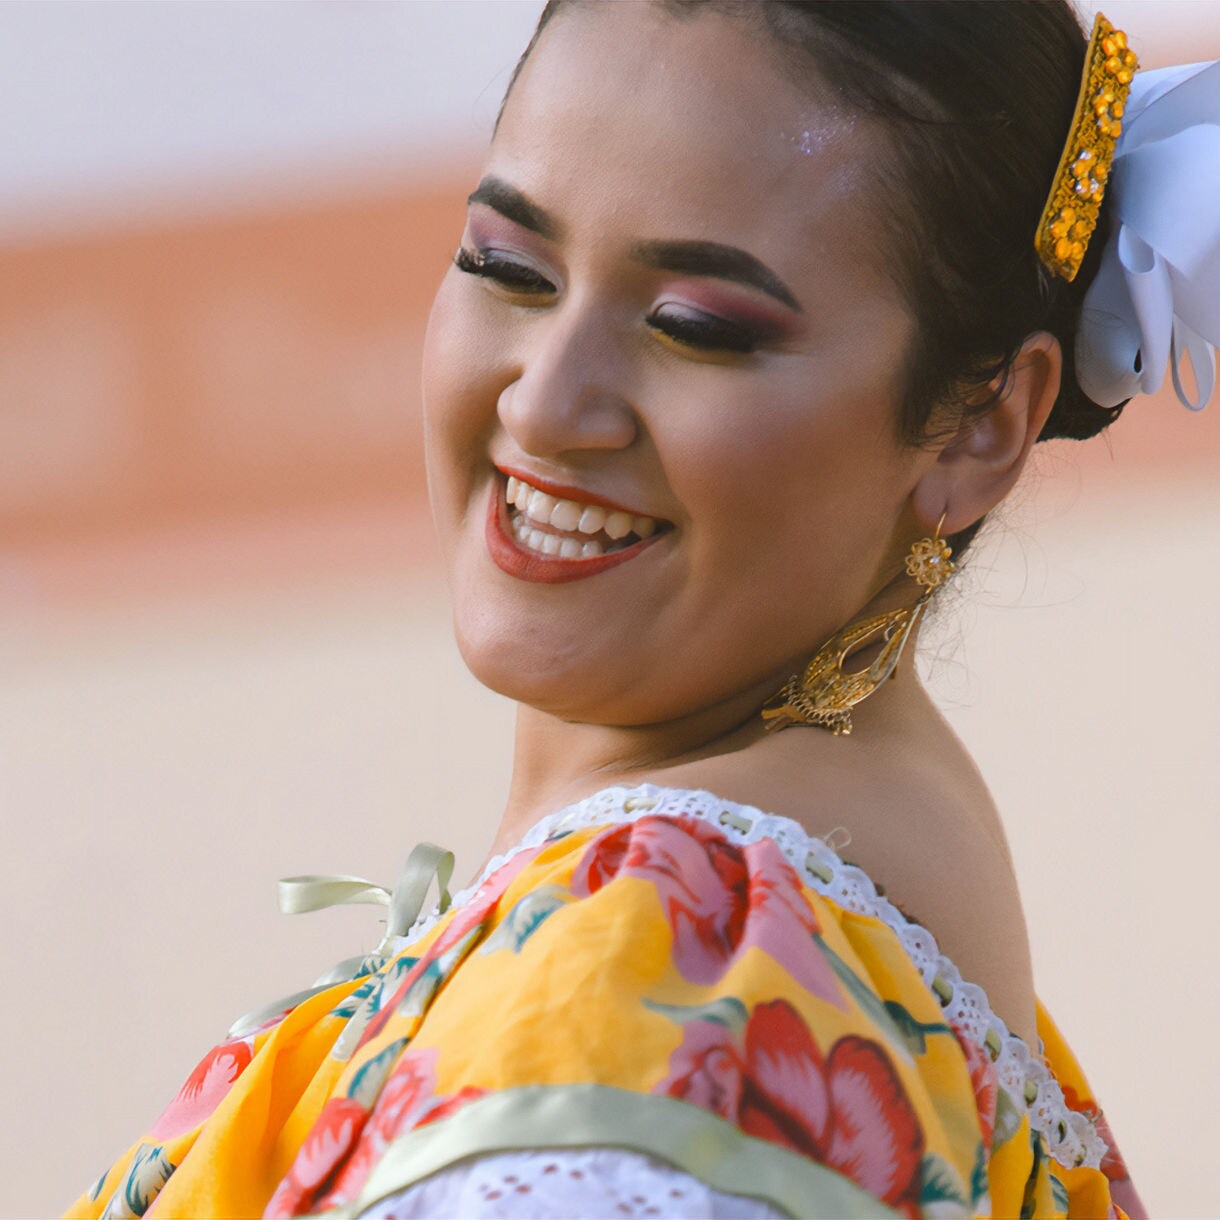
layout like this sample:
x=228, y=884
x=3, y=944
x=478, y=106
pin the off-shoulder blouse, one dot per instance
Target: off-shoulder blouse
x=657, y=1003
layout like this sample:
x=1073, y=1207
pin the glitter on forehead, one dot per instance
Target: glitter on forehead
x=820, y=129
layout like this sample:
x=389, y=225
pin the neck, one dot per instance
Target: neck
x=556, y=762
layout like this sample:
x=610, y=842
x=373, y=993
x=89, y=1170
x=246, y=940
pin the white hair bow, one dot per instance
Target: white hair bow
x=1156, y=297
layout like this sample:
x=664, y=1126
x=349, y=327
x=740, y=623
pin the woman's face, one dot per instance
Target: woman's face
x=669, y=318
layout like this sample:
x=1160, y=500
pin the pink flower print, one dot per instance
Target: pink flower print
x=707, y=1070
x=719, y=899
x=985, y=1081
x=700, y=878
x=328, y=1143
x=407, y=1090
x=847, y=1110
x=203, y=1089
x=782, y=924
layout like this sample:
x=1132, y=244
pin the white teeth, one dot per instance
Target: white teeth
x=536, y=507
x=618, y=525
x=565, y=515
x=591, y=520
x=539, y=507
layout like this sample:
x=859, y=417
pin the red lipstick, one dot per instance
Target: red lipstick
x=509, y=556
x=561, y=492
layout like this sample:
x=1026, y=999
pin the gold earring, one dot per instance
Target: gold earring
x=824, y=695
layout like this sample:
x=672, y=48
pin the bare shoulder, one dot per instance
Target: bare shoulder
x=943, y=860
x=924, y=827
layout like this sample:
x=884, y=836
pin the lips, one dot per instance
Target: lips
x=549, y=534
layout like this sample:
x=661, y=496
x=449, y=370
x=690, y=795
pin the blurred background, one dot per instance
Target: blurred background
x=225, y=644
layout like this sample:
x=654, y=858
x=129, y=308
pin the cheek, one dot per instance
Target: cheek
x=793, y=464
x=463, y=374
x=796, y=499
x=448, y=352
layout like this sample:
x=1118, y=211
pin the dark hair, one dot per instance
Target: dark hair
x=976, y=98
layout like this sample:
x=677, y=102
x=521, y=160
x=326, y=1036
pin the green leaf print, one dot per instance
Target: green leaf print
x=941, y=1194
x=96, y=1189
x=980, y=1187
x=149, y=1170
x=1059, y=1193
x=526, y=917
x=367, y=1081
x=891, y=1017
x=727, y=1011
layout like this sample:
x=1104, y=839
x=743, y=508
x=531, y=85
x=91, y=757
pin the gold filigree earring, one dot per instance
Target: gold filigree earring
x=824, y=695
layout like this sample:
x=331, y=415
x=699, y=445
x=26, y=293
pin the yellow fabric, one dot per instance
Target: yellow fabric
x=667, y=966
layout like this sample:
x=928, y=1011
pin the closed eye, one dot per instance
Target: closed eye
x=507, y=272
x=687, y=328
x=704, y=332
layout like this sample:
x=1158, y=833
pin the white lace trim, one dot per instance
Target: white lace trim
x=594, y=1183
x=1070, y=1136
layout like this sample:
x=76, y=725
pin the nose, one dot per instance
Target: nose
x=564, y=398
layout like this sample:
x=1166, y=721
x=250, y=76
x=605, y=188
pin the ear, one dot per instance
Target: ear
x=979, y=464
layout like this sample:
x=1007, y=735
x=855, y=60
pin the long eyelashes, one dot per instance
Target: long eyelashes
x=700, y=332
x=506, y=271
x=711, y=334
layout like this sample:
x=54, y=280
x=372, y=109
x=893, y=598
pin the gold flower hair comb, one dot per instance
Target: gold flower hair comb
x=1071, y=211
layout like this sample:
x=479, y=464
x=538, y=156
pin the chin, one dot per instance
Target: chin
x=578, y=684
x=524, y=665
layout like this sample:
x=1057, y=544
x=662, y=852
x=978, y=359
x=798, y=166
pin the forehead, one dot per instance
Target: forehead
x=632, y=118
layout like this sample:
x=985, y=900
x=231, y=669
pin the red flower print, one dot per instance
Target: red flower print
x=984, y=1078
x=407, y=1101
x=329, y=1141
x=352, y=1175
x=450, y=1104
x=786, y=1099
x=876, y=1140
x=1112, y=1164
x=203, y=1089
x=1073, y=1100
x=719, y=898
x=847, y=1111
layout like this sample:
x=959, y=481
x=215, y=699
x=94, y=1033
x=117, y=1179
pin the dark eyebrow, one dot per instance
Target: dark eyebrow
x=496, y=194
x=713, y=259
x=692, y=257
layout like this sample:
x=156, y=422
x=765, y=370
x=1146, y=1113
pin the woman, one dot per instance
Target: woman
x=746, y=334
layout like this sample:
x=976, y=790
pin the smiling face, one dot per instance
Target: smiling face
x=661, y=377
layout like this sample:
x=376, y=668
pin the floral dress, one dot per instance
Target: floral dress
x=657, y=1003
